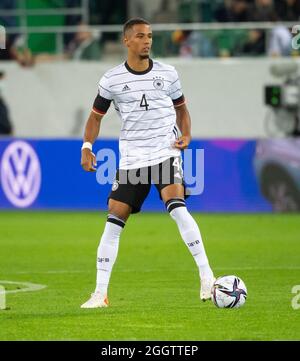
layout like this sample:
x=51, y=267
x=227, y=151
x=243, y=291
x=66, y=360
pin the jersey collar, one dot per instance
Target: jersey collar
x=140, y=72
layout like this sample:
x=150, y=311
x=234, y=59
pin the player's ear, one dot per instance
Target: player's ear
x=125, y=41
x=126, y=38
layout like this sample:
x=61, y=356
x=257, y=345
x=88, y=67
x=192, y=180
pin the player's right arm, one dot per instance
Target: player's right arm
x=92, y=128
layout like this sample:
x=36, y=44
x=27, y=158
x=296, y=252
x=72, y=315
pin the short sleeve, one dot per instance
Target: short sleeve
x=103, y=98
x=103, y=88
x=175, y=91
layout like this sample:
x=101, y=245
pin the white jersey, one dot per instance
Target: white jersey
x=145, y=103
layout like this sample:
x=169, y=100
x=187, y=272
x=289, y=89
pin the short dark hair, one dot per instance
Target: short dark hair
x=129, y=23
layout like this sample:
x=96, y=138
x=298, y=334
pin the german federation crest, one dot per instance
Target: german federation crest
x=158, y=83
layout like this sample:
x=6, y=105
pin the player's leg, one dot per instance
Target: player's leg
x=174, y=199
x=118, y=213
x=124, y=199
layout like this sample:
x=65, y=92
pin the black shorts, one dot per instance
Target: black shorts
x=132, y=186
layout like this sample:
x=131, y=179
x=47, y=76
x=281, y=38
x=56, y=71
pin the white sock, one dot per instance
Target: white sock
x=108, y=251
x=191, y=235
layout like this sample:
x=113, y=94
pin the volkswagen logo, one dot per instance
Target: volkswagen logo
x=20, y=174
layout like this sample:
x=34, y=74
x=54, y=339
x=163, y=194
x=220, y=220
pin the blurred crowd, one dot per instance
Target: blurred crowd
x=84, y=44
x=258, y=10
x=234, y=42
x=87, y=45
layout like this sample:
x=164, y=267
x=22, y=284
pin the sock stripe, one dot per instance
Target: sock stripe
x=113, y=216
x=116, y=221
x=174, y=203
x=172, y=200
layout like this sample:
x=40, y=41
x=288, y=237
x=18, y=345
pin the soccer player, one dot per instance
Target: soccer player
x=148, y=98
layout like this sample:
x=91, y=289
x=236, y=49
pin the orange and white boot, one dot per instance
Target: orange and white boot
x=97, y=300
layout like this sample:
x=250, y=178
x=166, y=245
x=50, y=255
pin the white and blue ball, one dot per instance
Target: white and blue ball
x=229, y=292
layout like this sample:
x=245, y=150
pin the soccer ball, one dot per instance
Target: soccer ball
x=229, y=292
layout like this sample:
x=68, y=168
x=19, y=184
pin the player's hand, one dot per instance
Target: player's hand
x=88, y=160
x=183, y=142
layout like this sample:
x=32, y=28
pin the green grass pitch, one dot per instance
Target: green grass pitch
x=154, y=291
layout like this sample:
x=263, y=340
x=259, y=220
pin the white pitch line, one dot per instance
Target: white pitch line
x=231, y=268
x=49, y=272
x=29, y=287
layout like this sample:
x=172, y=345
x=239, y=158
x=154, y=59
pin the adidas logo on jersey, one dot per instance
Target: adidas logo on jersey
x=126, y=87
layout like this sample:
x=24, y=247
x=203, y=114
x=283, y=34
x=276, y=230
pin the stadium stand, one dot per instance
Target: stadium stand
x=201, y=28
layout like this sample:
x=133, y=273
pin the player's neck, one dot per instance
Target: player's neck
x=137, y=64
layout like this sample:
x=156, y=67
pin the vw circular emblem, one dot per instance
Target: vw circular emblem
x=158, y=83
x=20, y=174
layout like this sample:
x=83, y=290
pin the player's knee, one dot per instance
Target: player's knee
x=112, y=231
x=112, y=216
x=119, y=210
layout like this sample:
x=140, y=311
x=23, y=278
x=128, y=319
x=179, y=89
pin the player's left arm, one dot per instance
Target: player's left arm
x=183, y=121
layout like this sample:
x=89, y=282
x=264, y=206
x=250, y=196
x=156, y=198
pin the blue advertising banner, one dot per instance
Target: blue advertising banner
x=222, y=175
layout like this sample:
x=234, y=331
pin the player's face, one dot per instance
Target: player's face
x=139, y=40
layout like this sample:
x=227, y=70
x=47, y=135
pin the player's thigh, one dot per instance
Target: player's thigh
x=172, y=191
x=171, y=183
x=119, y=209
